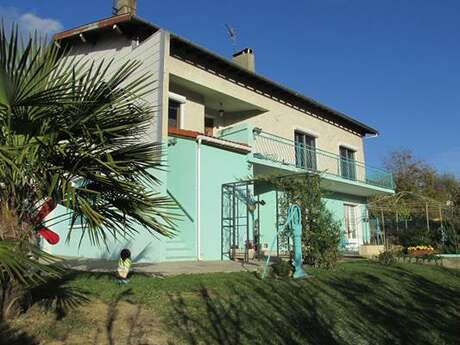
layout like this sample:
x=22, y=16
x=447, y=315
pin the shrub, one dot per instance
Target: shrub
x=282, y=269
x=415, y=236
x=320, y=232
x=387, y=257
x=450, y=239
x=321, y=247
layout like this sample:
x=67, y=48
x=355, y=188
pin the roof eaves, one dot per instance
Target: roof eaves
x=103, y=23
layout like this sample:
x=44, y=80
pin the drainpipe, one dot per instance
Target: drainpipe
x=198, y=197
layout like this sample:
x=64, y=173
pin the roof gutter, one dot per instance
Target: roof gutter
x=371, y=136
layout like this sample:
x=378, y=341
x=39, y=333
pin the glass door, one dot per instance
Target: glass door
x=351, y=229
x=347, y=163
x=305, y=151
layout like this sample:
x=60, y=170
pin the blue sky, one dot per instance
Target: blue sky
x=394, y=65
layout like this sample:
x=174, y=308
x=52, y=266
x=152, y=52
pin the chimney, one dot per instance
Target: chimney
x=124, y=7
x=246, y=59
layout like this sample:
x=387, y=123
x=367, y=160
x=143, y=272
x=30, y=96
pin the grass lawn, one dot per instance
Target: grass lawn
x=357, y=303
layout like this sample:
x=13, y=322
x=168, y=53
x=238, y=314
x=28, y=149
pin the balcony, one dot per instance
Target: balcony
x=288, y=154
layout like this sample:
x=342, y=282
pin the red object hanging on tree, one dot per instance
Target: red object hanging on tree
x=50, y=236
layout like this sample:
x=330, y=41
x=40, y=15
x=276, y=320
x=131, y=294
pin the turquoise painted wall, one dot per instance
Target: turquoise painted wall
x=335, y=203
x=241, y=133
x=267, y=214
x=218, y=166
x=144, y=246
x=182, y=187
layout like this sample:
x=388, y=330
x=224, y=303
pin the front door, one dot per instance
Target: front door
x=351, y=226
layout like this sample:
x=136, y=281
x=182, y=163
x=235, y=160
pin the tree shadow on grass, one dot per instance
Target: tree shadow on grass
x=11, y=336
x=55, y=295
x=393, y=305
x=273, y=313
x=127, y=324
x=382, y=306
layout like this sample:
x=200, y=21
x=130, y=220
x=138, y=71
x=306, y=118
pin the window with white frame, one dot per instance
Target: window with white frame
x=174, y=114
x=176, y=110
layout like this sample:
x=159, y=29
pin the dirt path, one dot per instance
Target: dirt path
x=96, y=323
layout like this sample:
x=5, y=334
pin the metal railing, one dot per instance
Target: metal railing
x=271, y=147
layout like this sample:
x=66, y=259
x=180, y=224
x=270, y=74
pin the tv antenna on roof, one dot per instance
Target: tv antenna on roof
x=232, y=35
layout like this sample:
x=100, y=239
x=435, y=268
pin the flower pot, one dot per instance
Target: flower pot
x=424, y=252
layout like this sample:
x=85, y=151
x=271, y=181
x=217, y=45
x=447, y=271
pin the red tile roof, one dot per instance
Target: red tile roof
x=213, y=141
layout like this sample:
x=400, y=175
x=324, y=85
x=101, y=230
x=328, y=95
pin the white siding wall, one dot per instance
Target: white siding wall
x=121, y=50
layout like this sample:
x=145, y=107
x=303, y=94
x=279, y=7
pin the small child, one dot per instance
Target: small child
x=124, y=264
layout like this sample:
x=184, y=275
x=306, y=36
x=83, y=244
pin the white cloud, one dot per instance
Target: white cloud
x=29, y=22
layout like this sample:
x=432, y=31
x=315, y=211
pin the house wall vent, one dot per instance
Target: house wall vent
x=246, y=59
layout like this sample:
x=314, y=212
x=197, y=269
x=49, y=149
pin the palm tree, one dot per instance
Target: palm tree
x=73, y=133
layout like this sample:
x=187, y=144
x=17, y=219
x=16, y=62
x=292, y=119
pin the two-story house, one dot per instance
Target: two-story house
x=223, y=123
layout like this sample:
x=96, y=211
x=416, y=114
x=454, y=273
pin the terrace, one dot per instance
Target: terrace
x=339, y=172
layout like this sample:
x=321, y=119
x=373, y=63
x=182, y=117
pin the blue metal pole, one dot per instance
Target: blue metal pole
x=296, y=223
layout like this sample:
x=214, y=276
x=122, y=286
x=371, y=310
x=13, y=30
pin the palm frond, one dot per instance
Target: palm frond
x=26, y=263
x=65, y=119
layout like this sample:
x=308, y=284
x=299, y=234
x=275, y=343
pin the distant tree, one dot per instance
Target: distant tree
x=448, y=188
x=415, y=175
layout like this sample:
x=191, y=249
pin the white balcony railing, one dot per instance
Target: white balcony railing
x=286, y=152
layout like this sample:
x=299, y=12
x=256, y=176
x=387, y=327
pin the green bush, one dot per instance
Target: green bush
x=320, y=232
x=321, y=242
x=387, y=258
x=282, y=269
x=416, y=237
x=450, y=239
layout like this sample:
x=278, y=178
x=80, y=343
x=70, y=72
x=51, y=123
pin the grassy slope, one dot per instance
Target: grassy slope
x=358, y=303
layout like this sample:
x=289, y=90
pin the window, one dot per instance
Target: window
x=350, y=222
x=305, y=150
x=173, y=114
x=209, y=126
x=347, y=163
